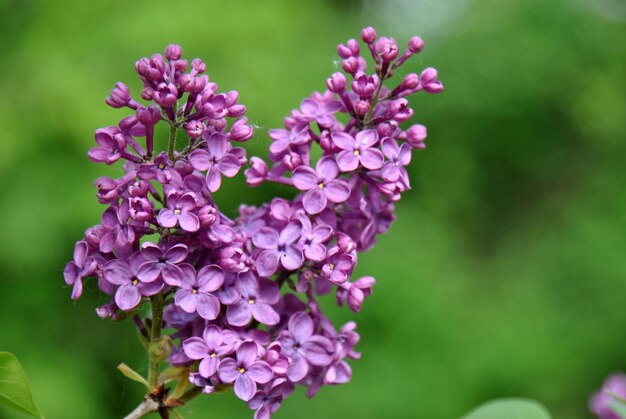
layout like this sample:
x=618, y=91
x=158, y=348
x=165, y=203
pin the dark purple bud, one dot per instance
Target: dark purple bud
x=119, y=96
x=350, y=65
x=198, y=66
x=194, y=129
x=345, y=243
x=416, y=135
x=207, y=215
x=387, y=49
x=416, y=44
x=236, y=111
x=138, y=188
x=240, y=131
x=368, y=35
x=173, y=52
x=336, y=83
x=148, y=116
x=107, y=189
x=147, y=93
x=362, y=107
x=292, y=160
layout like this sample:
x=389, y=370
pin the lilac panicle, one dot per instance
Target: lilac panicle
x=239, y=296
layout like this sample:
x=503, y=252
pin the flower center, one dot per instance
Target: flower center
x=241, y=370
x=176, y=211
x=213, y=355
x=161, y=166
x=357, y=152
x=251, y=301
x=331, y=266
x=135, y=281
x=320, y=185
x=194, y=290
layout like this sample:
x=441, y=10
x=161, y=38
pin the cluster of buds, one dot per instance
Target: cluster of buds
x=234, y=302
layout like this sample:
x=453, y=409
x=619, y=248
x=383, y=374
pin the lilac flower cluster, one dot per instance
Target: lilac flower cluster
x=239, y=297
x=603, y=402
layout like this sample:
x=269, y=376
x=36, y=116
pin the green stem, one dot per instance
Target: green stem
x=172, y=146
x=157, y=320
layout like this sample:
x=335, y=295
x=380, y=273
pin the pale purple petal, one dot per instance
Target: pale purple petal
x=148, y=272
x=189, y=222
x=208, y=306
x=304, y=178
x=208, y=366
x=264, y=313
x=327, y=168
x=167, y=218
x=244, y=387
x=315, y=252
x=314, y=201
x=298, y=369
x=127, y=296
x=260, y=372
x=337, y=190
x=213, y=179
x=195, y=348
x=200, y=160
x=213, y=336
x=176, y=254
x=371, y=159
x=117, y=272
x=292, y=258
x=239, y=314
x=265, y=238
x=247, y=353
x=228, y=165
x=172, y=275
x=347, y=161
x=367, y=138
x=301, y=326
x=343, y=140
x=186, y=300
x=228, y=370
x=210, y=278
x=290, y=233
x=267, y=262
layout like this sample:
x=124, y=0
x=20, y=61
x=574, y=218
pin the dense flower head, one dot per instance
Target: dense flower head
x=240, y=296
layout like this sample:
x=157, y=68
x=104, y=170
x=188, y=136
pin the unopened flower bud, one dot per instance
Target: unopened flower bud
x=416, y=44
x=336, y=83
x=194, y=129
x=416, y=135
x=173, y=52
x=368, y=35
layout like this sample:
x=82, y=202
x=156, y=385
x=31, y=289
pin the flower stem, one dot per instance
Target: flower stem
x=373, y=102
x=157, y=320
x=172, y=145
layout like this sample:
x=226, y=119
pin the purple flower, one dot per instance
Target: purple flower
x=208, y=348
x=116, y=229
x=281, y=247
x=358, y=150
x=83, y=265
x=195, y=292
x=313, y=239
x=159, y=263
x=217, y=159
x=284, y=138
x=178, y=211
x=320, y=185
x=246, y=371
x=304, y=347
x=111, y=146
x=256, y=299
x=397, y=158
x=320, y=109
x=131, y=288
x=338, y=267
x=159, y=169
x=600, y=402
x=268, y=400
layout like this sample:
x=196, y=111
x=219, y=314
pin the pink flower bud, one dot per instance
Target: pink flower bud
x=416, y=135
x=336, y=83
x=173, y=52
x=368, y=35
x=416, y=44
x=194, y=129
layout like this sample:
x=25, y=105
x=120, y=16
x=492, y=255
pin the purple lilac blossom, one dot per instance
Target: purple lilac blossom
x=240, y=295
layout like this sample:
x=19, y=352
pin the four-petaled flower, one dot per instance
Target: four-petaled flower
x=195, y=292
x=277, y=247
x=358, y=150
x=83, y=265
x=257, y=296
x=159, y=263
x=178, y=211
x=131, y=287
x=209, y=349
x=246, y=371
x=218, y=159
x=320, y=185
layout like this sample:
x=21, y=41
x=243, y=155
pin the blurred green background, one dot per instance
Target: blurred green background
x=505, y=274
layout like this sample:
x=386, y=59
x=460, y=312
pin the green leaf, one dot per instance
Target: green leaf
x=132, y=374
x=509, y=409
x=14, y=388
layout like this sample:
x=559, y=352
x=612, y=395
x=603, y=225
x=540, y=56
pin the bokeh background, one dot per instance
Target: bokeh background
x=505, y=274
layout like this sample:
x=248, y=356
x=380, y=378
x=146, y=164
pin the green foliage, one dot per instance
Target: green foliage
x=14, y=388
x=504, y=273
x=509, y=409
